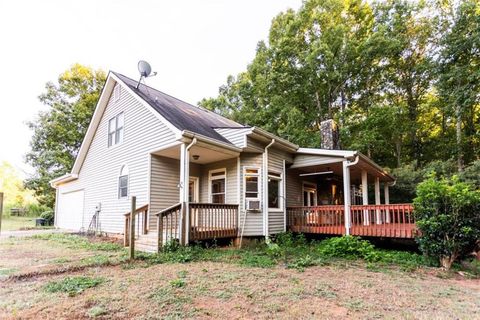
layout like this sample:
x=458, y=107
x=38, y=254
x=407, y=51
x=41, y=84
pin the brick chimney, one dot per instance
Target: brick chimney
x=330, y=135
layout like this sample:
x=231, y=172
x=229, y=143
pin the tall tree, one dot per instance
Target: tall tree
x=459, y=79
x=58, y=132
x=308, y=71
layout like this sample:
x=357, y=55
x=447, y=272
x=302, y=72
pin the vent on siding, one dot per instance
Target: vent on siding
x=116, y=93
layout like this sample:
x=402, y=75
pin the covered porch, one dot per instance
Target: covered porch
x=335, y=198
x=193, y=195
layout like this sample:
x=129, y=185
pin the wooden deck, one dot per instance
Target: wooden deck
x=389, y=221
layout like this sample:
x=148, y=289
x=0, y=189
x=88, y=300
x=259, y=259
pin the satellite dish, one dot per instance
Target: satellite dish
x=145, y=71
x=144, y=68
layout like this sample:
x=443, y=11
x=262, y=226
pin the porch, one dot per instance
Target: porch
x=388, y=221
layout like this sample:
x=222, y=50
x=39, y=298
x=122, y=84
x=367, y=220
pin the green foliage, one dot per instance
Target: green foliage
x=78, y=242
x=48, y=216
x=178, y=283
x=14, y=193
x=73, y=285
x=447, y=212
x=378, y=68
x=471, y=175
x=58, y=132
x=348, y=247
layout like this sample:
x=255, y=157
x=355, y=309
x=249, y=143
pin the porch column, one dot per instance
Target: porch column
x=346, y=196
x=184, y=180
x=386, y=192
x=366, y=218
x=377, y=200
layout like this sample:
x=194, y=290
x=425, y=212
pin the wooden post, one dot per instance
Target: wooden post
x=132, y=228
x=387, y=201
x=366, y=217
x=346, y=196
x=1, y=210
x=377, y=200
x=160, y=232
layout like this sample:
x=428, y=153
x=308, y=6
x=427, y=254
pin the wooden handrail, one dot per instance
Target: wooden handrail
x=141, y=209
x=168, y=210
x=126, y=236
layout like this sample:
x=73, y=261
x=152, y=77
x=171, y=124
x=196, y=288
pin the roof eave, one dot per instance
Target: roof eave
x=63, y=179
x=283, y=143
x=191, y=135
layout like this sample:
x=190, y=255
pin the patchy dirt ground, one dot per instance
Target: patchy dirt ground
x=205, y=290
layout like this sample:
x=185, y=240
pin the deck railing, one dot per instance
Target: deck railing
x=213, y=220
x=141, y=224
x=387, y=220
x=328, y=219
x=384, y=220
x=168, y=224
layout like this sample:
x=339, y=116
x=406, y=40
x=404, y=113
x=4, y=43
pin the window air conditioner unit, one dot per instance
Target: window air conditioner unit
x=253, y=205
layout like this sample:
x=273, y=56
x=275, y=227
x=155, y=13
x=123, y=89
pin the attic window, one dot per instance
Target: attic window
x=116, y=93
x=115, y=130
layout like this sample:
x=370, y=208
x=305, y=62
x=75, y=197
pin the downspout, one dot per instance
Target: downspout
x=265, y=188
x=346, y=191
x=185, y=189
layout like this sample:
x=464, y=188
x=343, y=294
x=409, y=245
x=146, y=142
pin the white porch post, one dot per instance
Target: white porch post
x=346, y=196
x=377, y=200
x=184, y=181
x=386, y=192
x=366, y=218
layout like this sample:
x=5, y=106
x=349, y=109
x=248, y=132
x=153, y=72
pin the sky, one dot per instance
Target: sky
x=193, y=45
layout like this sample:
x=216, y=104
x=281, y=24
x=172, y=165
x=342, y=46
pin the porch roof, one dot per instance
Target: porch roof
x=312, y=161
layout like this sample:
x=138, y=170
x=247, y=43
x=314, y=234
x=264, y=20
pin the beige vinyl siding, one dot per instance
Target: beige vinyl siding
x=254, y=145
x=98, y=176
x=254, y=221
x=276, y=218
x=230, y=165
x=295, y=187
x=164, y=179
x=235, y=136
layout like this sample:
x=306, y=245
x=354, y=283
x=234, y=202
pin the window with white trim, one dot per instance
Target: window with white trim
x=123, y=183
x=252, y=177
x=274, y=190
x=115, y=130
x=218, y=180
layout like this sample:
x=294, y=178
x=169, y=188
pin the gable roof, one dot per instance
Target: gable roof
x=181, y=114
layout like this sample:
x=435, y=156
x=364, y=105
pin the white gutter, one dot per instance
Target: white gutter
x=185, y=182
x=63, y=179
x=346, y=191
x=287, y=144
x=189, y=134
x=265, y=188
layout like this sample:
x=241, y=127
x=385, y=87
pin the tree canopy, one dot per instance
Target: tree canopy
x=58, y=132
x=401, y=77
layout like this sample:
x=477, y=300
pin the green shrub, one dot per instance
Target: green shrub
x=348, y=247
x=48, y=216
x=447, y=212
x=73, y=285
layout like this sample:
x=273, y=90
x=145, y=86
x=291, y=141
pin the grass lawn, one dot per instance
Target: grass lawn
x=10, y=223
x=67, y=276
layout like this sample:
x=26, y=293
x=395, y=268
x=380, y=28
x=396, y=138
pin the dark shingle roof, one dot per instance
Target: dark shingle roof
x=181, y=114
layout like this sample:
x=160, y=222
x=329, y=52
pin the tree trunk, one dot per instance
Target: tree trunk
x=460, y=161
x=398, y=148
x=447, y=261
